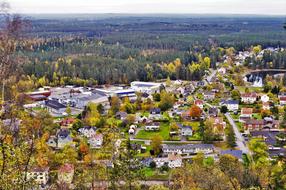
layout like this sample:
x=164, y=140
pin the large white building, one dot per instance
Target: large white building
x=146, y=87
x=39, y=175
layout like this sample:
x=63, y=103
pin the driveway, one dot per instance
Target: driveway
x=240, y=142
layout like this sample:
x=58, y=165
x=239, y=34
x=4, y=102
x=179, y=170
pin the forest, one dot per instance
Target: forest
x=118, y=49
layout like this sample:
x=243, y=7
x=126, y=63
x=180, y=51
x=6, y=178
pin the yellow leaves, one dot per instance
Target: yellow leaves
x=87, y=159
x=171, y=68
x=194, y=67
x=207, y=62
x=177, y=62
x=256, y=49
x=42, y=160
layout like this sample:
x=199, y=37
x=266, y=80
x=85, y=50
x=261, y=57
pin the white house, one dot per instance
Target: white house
x=248, y=98
x=96, y=141
x=222, y=70
x=209, y=95
x=282, y=101
x=232, y=105
x=132, y=129
x=152, y=128
x=173, y=161
x=39, y=175
x=246, y=113
x=186, y=131
x=87, y=131
x=264, y=98
x=66, y=173
x=188, y=149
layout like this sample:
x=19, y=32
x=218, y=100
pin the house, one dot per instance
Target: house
x=187, y=149
x=264, y=98
x=213, y=112
x=39, y=175
x=232, y=105
x=249, y=98
x=282, y=101
x=266, y=123
x=234, y=153
x=281, y=94
x=63, y=138
x=221, y=70
x=199, y=103
x=209, y=95
x=141, y=119
x=95, y=141
x=200, y=83
x=55, y=108
x=246, y=114
x=66, y=173
x=173, y=161
x=155, y=111
x=67, y=122
x=154, y=127
x=265, y=106
x=180, y=90
x=218, y=124
x=186, y=130
x=52, y=141
x=271, y=140
x=132, y=129
x=87, y=131
x=121, y=115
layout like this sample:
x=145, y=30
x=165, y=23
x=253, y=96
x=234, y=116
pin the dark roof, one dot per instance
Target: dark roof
x=269, y=136
x=63, y=133
x=54, y=104
x=277, y=152
x=235, y=153
x=232, y=102
x=121, y=114
x=155, y=110
x=187, y=146
x=213, y=111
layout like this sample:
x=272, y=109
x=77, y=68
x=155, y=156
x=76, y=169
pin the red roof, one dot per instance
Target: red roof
x=67, y=121
x=199, y=102
x=249, y=95
x=246, y=111
x=283, y=98
x=66, y=168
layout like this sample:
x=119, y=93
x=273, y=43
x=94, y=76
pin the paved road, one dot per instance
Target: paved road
x=240, y=142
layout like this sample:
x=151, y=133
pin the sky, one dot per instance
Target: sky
x=264, y=7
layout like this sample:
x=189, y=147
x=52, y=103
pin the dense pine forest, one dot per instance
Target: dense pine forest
x=100, y=49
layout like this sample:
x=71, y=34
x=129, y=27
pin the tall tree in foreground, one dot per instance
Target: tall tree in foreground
x=10, y=39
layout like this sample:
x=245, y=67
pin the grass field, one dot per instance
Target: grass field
x=163, y=132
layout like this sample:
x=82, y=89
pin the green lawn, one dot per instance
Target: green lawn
x=163, y=132
x=257, y=116
x=155, y=174
x=240, y=126
x=195, y=137
x=235, y=116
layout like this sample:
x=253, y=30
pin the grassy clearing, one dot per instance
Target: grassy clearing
x=148, y=135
